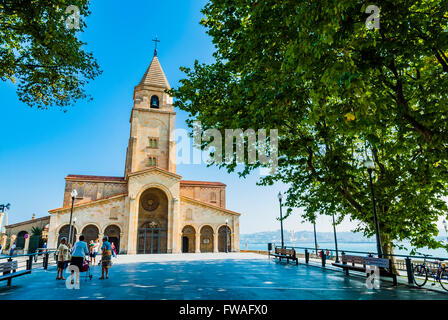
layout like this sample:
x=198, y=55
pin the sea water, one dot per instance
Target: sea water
x=351, y=246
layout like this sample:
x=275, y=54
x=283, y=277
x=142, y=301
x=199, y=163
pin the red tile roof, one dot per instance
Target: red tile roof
x=106, y=178
x=202, y=183
x=95, y=178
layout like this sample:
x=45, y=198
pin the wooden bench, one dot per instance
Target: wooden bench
x=8, y=269
x=283, y=253
x=357, y=263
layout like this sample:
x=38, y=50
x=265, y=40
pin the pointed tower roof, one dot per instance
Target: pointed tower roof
x=155, y=76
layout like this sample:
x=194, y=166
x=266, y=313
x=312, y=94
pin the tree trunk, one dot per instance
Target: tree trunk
x=388, y=249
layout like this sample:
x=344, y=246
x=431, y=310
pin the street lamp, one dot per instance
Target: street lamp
x=315, y=236
x=227, y=237
x=281, y=217
x=445, y=225
x=73, y=194
x=370, y=165
x=335, y=240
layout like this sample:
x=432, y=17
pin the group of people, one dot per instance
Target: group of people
x=76, y=255
x=13, y=248
x=328, y=254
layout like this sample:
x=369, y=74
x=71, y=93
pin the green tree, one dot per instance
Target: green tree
x=42, y=54
x=36, y=240
x=36, y=231
x=339, y=93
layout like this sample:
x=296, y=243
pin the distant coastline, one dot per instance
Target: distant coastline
x=348, y=241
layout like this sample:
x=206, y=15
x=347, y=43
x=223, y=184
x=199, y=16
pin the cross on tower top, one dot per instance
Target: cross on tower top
x=155, y=41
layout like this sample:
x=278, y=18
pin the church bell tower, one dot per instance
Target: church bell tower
x=151, y=141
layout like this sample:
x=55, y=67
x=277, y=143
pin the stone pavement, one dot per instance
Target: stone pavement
x=223, y=276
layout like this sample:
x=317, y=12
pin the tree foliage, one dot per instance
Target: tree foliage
x=42, y=55
x=339, y=93
x=36, y=231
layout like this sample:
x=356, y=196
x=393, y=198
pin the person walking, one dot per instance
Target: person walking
x=114, y=252
x=96, y=248
x=79, y=252
x=91, y=250
x=13, y=247
x=63, y=255
x=106, y=257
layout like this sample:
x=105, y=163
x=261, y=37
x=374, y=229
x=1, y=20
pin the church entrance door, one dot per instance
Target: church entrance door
x=149, y=240
x=152, y=233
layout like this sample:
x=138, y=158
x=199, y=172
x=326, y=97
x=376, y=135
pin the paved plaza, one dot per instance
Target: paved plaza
x=232, y=276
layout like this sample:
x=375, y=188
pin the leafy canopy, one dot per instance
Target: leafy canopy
x=339, y=93
x=42, y=55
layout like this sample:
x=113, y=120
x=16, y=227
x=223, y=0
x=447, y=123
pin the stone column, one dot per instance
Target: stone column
x=1, y=221
x=215, y=242
x=236, y=234
x=12, y=240
x=197, y=243
x=132, y=231
x=121, y=241
x=175, y=234
x=3, y=241
x=27, y=244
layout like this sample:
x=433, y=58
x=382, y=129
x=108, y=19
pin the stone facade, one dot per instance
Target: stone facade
x=14, y=233
x=150, y=209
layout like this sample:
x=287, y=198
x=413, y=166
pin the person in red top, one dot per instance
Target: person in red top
x=114, y=251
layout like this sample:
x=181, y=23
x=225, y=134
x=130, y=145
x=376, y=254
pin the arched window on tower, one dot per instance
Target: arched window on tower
x=155, y=102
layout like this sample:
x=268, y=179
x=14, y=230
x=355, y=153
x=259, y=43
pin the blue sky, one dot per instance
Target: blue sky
x=39, y=148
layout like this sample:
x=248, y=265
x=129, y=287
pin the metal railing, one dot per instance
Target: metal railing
x=41, y=258
x=404, y=264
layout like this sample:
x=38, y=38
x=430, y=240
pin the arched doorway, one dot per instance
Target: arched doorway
x=206, y=239
x=224, y=239
x=113, y=233
x=188, y=239
x=20, y=240
x=153, y=222
x=64, y=231
x=90, y=232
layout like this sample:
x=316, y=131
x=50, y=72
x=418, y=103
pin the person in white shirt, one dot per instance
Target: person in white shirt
x=96, y=249
x=63, y=255
x=79, y=251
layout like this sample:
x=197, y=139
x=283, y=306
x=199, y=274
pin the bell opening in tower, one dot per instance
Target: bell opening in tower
x=155, y=102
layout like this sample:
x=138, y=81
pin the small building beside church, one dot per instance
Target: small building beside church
x=150, y=209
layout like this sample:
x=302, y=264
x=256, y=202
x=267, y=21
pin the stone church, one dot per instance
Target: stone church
x=150, y=209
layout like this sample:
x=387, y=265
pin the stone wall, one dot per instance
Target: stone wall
x=215, y=195
x=198, y=216
x=12, y=230
x=103, y=213
x=91, y=190
x=150, y=124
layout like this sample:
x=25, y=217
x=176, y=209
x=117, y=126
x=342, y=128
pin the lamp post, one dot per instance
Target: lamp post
x=281, y=217
x=369, y=164
x=315, y=236
x=445, y=225
x=227, y=237
x=73, y=194
x=335, y=240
